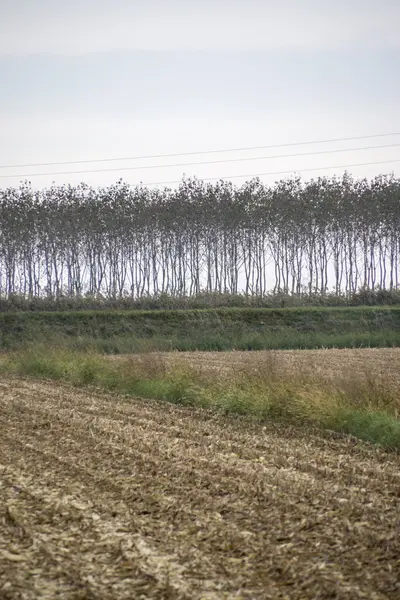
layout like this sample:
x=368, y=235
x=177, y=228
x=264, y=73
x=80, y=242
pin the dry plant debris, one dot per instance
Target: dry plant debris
x=330, y=364
x=108, y=498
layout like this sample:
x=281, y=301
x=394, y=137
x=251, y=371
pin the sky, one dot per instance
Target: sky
x=95, y=79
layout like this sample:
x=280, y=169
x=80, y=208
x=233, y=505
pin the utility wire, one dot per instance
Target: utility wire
x=207, y=162
x=70, y=162
x=382, y=162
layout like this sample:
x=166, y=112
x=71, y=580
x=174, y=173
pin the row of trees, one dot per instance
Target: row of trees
x=322, y=235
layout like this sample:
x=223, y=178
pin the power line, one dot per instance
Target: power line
x=208, y=162
x=291, y=144
x=366, y=164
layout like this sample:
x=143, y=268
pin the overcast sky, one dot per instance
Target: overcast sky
x=89, y=79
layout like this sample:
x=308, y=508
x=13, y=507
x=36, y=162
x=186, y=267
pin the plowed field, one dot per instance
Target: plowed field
x=109, y=498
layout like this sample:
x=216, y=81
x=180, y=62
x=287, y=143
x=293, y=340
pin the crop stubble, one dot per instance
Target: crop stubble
x=330, y=364
x=105, y=497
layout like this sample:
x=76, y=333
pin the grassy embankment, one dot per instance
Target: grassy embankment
x=68, y=346
x=115, y=332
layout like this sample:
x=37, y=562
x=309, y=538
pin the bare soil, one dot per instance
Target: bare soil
x=108, y=498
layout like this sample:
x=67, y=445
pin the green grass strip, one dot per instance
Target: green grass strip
x=364, y=411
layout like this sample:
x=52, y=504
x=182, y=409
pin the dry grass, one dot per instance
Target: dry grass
x=358, y=398
x=110, y=498
x=364, y=378
x=336, y=365
x=345, y=369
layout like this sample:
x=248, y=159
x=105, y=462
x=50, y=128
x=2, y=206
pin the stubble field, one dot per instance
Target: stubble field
x=334, y=365
x=111, y=497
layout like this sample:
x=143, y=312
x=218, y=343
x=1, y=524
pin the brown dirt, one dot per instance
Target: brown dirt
x=108, y=498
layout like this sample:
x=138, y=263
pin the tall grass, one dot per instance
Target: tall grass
x=364, y=408
x=362, y=297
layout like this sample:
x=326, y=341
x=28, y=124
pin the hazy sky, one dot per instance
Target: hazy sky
x=89, y=79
